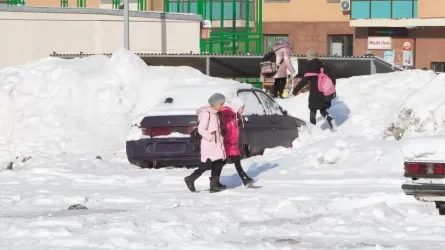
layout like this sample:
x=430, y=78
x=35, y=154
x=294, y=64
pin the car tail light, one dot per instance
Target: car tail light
x=430, y=169
x=439, y=169
x=164, y=131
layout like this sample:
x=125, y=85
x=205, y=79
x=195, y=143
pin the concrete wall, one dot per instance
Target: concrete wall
x=305, y=35
x=431, y=8
x=303, y=11
x=32, y=33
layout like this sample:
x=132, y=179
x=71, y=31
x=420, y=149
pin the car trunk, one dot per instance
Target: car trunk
x=168, y=134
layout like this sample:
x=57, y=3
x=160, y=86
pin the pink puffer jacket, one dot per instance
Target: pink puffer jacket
x=212, y=143
x=230, y=119
x=283, y=53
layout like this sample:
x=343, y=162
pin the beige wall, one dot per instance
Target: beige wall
x=431, y=8
x=56, y=3
x=157, y=5
x=303, y=11
x=36, y=35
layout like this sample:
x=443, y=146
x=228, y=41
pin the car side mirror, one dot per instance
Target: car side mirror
x=285, y=112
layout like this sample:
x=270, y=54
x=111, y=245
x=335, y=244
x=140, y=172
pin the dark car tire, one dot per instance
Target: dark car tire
x=442, y=210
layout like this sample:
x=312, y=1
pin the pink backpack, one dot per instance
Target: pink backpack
x=325, y=84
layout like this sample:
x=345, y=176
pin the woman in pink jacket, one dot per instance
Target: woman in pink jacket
x=283, y=50
x=213, y=155
x=232, y=118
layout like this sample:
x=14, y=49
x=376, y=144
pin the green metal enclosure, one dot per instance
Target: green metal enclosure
x=236, y=24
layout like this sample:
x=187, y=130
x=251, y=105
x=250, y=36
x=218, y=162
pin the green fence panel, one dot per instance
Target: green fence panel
x=236, y=24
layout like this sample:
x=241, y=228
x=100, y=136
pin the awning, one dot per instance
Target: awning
x=248, y=66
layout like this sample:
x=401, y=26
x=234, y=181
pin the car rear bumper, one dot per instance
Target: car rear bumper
x=424, y=189
x=136, y=152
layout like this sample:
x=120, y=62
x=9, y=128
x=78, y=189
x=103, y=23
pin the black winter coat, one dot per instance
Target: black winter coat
x=317, y=100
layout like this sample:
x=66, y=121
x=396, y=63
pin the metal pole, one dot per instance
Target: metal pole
x=126, y=25
x=208, y=65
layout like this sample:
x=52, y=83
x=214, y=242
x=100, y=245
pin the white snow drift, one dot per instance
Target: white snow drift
x=331, y=191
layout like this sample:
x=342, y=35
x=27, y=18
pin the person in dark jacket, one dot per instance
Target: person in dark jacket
x=317, y=100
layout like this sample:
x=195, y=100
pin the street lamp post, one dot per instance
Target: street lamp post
x=126, y=24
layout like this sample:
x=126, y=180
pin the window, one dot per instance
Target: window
x=438, y=66
x=269, y=41
x=340, y=45
x=270, y=106
x=253, y=105
x=381, y=9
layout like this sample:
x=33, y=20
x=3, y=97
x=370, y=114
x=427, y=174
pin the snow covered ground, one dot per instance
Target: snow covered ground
x=331, y=191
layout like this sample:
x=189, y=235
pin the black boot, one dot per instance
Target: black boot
x=220, y=185
x=245, y=178
x=214, y=188
x=331, y=123
x=190, y=181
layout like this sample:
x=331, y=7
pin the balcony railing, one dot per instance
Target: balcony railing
x=214, y=9
x=383, y=9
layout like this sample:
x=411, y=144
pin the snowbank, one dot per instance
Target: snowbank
x=424, y=148
x=366, y=105
x=425, y=110
x=83, y=105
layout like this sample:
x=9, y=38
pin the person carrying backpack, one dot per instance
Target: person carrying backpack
x=232, y=118
x=212, y=151
x=319, y=98
x=276, y=63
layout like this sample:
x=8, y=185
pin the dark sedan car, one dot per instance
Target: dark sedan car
x=162, y=138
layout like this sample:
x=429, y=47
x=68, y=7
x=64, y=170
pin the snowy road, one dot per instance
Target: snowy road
x=331, y=191
x=339, y=206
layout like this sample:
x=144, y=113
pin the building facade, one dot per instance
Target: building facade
x=409, y=33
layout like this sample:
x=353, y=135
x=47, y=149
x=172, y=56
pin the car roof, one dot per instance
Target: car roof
x=186, y=99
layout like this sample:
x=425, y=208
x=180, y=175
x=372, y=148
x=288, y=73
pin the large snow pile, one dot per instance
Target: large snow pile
x=424, y=111
x=367, y=105
x=84, y=105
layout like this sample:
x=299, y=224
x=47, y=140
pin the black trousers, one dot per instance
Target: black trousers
x=215, y=166
x=278, y=87
x=237, y=161
x=324, y=112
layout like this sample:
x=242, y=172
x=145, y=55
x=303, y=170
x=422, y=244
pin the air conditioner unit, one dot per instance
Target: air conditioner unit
x=345, y=5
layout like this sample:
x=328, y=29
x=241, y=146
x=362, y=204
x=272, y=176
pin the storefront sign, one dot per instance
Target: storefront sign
x=380, y=43
x=389, y=56
x=407, y=46
x=386, y=31
x=407, y=58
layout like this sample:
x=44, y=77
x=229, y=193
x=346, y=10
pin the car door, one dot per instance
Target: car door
x=256, y=131
x=284, y=127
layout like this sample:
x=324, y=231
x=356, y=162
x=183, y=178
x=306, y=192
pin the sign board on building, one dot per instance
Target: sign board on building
x=407, y=46
x=407, y=58
x=380, y=42
x=389, y=56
